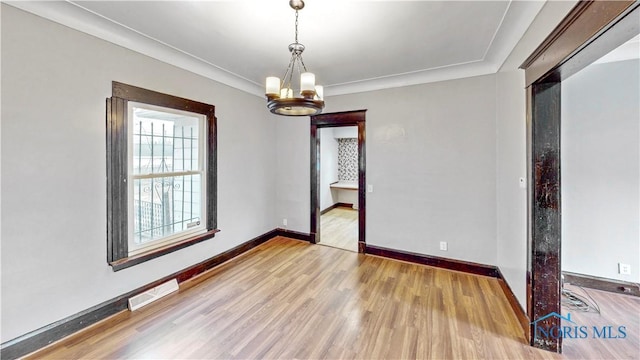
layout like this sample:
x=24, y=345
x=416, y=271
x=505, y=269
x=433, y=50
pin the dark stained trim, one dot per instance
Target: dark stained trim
x=622, y=29
x=117, y=189
x=138, y=259
x=450, y=264
x=586, y=22
x=329, y=209
x=336, y=205
x=117, y=171
x=314, y=189
x=604, y=284
x=521, y=315
x=137, y=94
x=44, y=336
x=338, y=119
x=212, y=172
x=294, y=235
x=588, y=32
x=462, y=266
x=362, y=183
x=546, y=223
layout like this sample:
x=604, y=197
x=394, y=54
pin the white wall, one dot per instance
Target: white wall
x=328, y=167
x=54, y=84
x=431, y=160
x=511, y=197
x=511, y=150
x=293, y=172
x=601, y=170
x=345, y=132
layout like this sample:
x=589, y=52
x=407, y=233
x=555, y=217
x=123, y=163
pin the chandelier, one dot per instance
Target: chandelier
x=280, y=94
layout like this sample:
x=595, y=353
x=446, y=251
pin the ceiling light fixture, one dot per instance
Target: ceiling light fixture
x=280, y=98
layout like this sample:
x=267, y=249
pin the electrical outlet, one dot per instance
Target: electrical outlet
x=284, y=222
x=443, y=245
x=624, y=269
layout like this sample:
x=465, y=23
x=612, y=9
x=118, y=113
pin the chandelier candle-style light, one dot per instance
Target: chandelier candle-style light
x=280, y=94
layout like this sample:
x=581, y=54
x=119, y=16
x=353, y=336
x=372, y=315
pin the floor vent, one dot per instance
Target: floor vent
x=152, y=295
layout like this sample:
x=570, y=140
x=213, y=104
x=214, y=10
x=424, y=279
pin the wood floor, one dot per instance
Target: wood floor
x=615, y=310
x=288, y=299
x=339, y=228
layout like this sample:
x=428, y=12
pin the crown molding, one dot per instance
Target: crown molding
x=76, y=17
x=518, y=16
x=516, y=20
x=444, y=73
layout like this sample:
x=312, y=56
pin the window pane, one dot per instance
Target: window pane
x=164, y=142
x=166, y=206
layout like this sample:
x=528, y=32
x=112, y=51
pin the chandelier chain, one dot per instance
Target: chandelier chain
x=296, y=26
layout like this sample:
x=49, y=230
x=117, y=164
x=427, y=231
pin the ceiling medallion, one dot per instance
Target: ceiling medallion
x=280, y=94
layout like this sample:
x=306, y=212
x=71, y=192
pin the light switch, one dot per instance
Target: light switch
x=369, y=188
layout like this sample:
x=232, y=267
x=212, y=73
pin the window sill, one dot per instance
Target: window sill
x=152, y=254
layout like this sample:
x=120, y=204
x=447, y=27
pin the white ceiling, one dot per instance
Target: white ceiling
x=352, y=46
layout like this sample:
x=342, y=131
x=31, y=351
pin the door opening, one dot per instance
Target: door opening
x=588, y=32
x=338, y=202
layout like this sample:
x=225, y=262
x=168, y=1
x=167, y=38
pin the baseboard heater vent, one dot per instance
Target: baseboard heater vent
x=152, y=295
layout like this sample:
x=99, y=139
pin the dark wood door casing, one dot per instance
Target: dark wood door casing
x=338, y=119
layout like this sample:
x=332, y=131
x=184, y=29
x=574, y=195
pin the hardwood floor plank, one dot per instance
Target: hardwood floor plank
x=339, y=228
x=615, y=310
x=288, y=299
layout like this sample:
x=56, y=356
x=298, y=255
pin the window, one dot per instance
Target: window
x=161, y=174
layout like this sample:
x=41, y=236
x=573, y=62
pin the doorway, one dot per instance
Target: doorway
x=589, y=31
x=341, y=218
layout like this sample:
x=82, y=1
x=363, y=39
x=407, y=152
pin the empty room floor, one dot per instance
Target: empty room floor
x=615, y=310
x=339, y=228
x=289, y=299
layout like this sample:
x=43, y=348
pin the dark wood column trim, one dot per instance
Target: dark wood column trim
x=315, y=181
x=588, y=32
x=545, y=212
x=338, y=119
x=362, y=185
x=586, y=21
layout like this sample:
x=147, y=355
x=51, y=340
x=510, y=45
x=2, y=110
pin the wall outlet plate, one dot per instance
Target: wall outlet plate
x=443, y=245
x=624, y=269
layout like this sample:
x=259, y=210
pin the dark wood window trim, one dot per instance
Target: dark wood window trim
x=117, y=168
x=346, y=118
x=589, y=31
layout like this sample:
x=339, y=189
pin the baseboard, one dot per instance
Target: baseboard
x=458, y=265
x=450, y=264
x=293, y=234
x=604, y=284
x=521, y=315
x=44, y=336
x=336, y=205
x=329, y=209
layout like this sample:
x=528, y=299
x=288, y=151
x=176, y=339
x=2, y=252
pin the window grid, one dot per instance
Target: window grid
x=123, y=156
x=162, y=212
